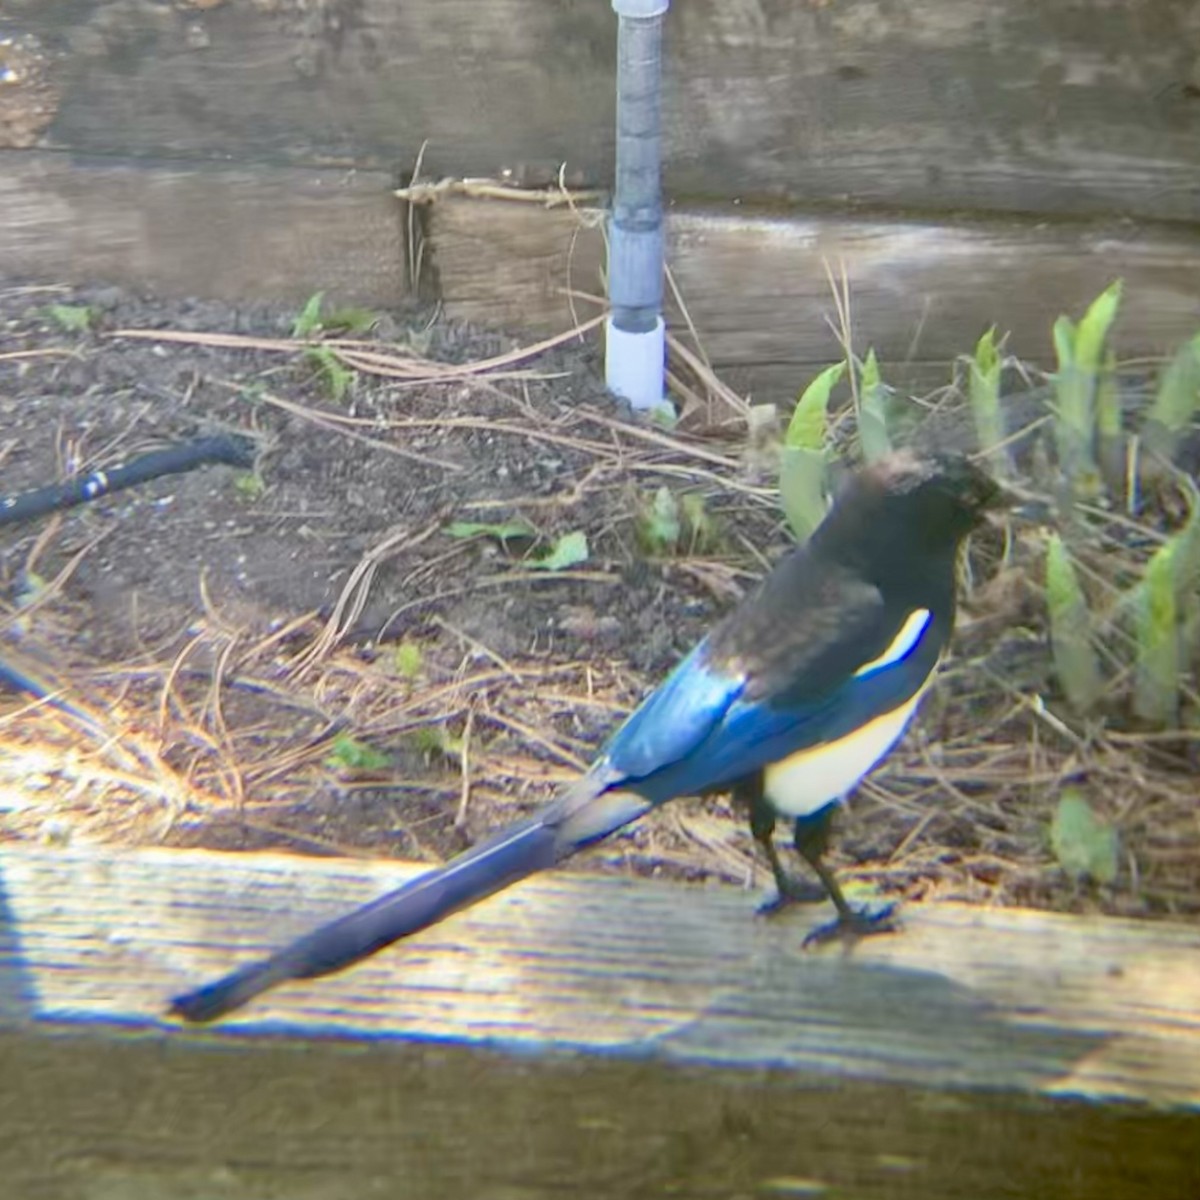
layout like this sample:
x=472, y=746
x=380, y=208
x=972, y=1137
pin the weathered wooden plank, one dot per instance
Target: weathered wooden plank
x=756, y=287
x=936, y=105
x=921, y=291
x=1027, y=1002
x=233, y=233
x=87, y=1117
x=670, y=1044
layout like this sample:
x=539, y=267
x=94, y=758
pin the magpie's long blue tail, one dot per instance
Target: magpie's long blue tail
x=579, y=817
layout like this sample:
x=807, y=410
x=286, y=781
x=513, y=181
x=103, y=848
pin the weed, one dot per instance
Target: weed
x=72, y=318
x=250, y=485
x=1086, y=848
x=348, y=754
x=408, y=660
x=1080, y=349
x=803, y=462
x=338, y=377
x=568, y=551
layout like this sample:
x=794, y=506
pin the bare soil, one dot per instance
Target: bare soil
x=303, y=657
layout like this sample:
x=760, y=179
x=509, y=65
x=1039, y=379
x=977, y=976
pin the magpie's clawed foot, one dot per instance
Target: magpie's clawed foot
x=792, y=891
x=854, y=924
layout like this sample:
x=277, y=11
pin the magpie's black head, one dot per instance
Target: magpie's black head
x=945, y=493
x=908, y=503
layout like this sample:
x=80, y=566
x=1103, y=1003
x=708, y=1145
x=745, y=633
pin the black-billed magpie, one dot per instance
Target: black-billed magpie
x=788, y=703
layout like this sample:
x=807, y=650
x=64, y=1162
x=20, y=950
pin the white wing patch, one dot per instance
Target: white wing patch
x=910, y=634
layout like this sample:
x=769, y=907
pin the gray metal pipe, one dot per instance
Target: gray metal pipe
x=634, y=353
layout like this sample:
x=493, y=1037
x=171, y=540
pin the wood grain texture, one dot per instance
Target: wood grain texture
x=756, y=287
x=936, y=105
x=1025, y=1002
x=89, y=1117
x=230, y=233
x=922, y=292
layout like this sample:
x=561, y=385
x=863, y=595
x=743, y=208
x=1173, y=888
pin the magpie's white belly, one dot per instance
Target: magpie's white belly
x=810, y=779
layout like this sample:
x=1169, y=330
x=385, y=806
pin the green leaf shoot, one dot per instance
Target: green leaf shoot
x=1075, y=661
x=349, y=754
x=308, y=320
x=1156, y=671
x=983, y=392
x=408, y=660
x=660, y=523
x=1086, y=848
x=71, y=318
x=809, y=427
x=569, y=551
x=872, y=410
x=803, y=489
x=501, y=531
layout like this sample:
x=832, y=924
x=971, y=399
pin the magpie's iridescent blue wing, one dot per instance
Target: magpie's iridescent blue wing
x=779, y=680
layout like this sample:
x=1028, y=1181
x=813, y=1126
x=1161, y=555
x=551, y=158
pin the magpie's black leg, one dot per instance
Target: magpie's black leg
x=811, y=839
x=788, y=889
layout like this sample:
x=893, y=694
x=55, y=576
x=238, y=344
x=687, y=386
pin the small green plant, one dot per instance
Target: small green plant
x=434, y=741
x=1075, y=661
x=872, y=410
x=308, y=320
x=803, y=463
x=1167, y=620
x=667, y=524
x=348, y=754
x=250, y=485
x=1176, y=401
x=699, y=526
x=983, y=393
x=1086, y=848
x=1110, y=452
x=659, y=523
x=408, y=660
x=338, y=377
x=311, y=324
x=1080, y=350
x=568, y=551
x=664, y=415
x=72, y=318
x=1156, y=671
x=502, y=531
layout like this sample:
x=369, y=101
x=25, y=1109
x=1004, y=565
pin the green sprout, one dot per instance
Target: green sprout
x=803, y=462
x=348, y=754
x=659, y=523
x=1080, y=350
x=250, y=485
x=872, y=410
x=408, y=660
x=983, y=391
x=502, y=531
x=72, y=318
x=338, y=377
x=568, y=551
x=1086, y=847
x=1075, y=660
x=1176, y=401
x=1167, y=620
